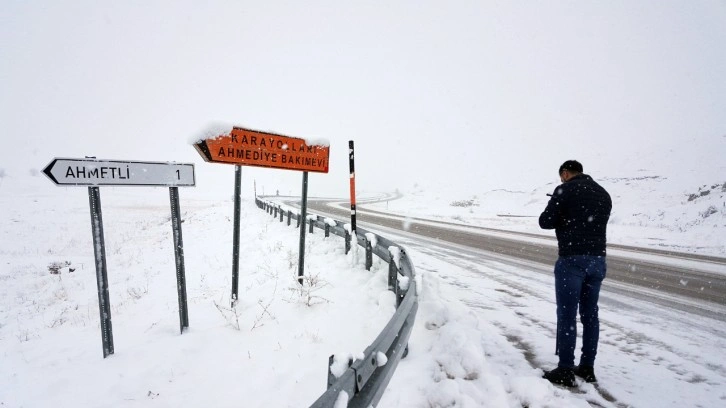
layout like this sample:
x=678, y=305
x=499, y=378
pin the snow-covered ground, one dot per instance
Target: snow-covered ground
x=482, y=329
x=270, y=350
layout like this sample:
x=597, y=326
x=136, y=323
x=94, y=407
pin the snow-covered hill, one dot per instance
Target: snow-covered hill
x=649, y=210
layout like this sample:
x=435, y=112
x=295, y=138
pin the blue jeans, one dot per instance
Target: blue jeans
x=577, y=283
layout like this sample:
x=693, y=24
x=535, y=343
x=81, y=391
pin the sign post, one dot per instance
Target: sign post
x=99, y=251
x=181, y=280
x=304, y=218
x=247, y=147
x=236, y=232
x=94, y=173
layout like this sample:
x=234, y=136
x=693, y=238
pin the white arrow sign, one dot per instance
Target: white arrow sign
x=92, y=172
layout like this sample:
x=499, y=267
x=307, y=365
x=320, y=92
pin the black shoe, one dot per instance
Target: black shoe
x=587, y=373
x=561, y=376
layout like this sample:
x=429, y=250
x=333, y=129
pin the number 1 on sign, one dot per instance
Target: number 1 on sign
x=178, y=176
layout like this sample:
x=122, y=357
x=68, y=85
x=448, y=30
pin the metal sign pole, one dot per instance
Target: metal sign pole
x=181, y=280
x=99, y=250
x=235, y=238
x=303, y=220
x=351, y=160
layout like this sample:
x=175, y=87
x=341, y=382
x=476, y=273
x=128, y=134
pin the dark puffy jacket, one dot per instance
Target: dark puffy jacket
x=578, y=211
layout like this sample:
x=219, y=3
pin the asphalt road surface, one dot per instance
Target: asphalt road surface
x=687, y=282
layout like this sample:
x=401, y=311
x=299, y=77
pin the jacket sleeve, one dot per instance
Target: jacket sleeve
x=550, y=217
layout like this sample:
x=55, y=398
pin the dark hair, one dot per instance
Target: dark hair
x=573, y=166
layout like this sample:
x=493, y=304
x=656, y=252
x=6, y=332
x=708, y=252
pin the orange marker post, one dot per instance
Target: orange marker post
x=351, y=160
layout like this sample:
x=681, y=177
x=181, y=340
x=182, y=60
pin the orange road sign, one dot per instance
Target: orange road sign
x=247, y=147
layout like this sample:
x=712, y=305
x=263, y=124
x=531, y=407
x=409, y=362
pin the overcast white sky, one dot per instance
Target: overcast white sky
x=486, y=92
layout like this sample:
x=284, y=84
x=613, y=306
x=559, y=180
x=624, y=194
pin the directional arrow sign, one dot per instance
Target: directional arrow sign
x=246, y=147
x=92, y=172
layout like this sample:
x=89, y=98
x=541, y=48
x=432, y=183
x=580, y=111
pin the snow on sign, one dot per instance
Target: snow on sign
x=93, y=172
x=247, y=147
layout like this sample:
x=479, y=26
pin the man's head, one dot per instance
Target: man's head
x=570, y=169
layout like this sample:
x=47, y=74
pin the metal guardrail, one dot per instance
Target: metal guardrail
x=365, y=380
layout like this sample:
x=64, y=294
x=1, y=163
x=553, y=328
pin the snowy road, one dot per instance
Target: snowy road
x=691, y=283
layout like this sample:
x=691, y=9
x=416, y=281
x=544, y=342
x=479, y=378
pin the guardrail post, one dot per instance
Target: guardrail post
x=369, y=254
x=327, y=230
x=347, y=242
x=281, y=214
x=312, y=222
x=289, y=215
x=298, y=221
x=400, y=294
x=275, y=209
x=392, y=274
x=331, y=377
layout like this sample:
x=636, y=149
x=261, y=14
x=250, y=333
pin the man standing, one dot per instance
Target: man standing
x=578, y=212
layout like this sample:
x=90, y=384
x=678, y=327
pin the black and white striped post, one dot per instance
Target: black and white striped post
x=351, y=160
